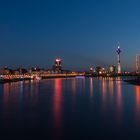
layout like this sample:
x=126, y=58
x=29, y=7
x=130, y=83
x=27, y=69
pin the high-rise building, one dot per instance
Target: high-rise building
x=57, y=67
x=98, y=70
x=112, y=69
x=91, y=70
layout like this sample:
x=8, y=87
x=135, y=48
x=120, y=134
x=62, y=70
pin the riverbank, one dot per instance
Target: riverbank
x=8, y=79
x=2, y=81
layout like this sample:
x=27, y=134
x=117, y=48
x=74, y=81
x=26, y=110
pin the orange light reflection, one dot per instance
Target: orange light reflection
x=137, y=103
x=119, y=104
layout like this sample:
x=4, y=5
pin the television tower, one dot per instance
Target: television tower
x=118, y=58
x=137, y=63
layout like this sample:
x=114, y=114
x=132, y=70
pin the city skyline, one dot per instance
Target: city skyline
x=82, y=33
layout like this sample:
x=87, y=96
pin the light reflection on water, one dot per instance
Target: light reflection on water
x=63, y=104
x=104, y=91
x=57, y=101
x=91, y=87
x=119, y=101
x=18, y=94
x=137, y=97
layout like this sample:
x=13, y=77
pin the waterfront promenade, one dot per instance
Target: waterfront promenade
x=21, y=77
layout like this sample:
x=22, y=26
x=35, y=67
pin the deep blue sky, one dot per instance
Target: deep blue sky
x=83, y=33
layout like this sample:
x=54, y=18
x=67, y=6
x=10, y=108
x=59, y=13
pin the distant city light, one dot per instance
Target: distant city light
x=100, y=72
x=58, y=60
x=91, y=69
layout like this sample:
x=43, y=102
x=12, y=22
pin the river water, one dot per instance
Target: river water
x=73, y=108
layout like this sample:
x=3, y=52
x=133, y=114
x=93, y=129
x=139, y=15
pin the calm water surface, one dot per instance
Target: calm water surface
x=71, y=108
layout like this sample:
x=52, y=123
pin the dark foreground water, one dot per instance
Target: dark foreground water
x=75, y=109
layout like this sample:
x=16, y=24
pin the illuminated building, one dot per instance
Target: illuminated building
x=57, y=67
x=91, y=70
x=112, y=69
x=21, y=71
x=98, y=70
x=5, y=71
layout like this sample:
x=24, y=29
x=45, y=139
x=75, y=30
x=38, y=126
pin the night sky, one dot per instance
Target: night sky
x=83, y=33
